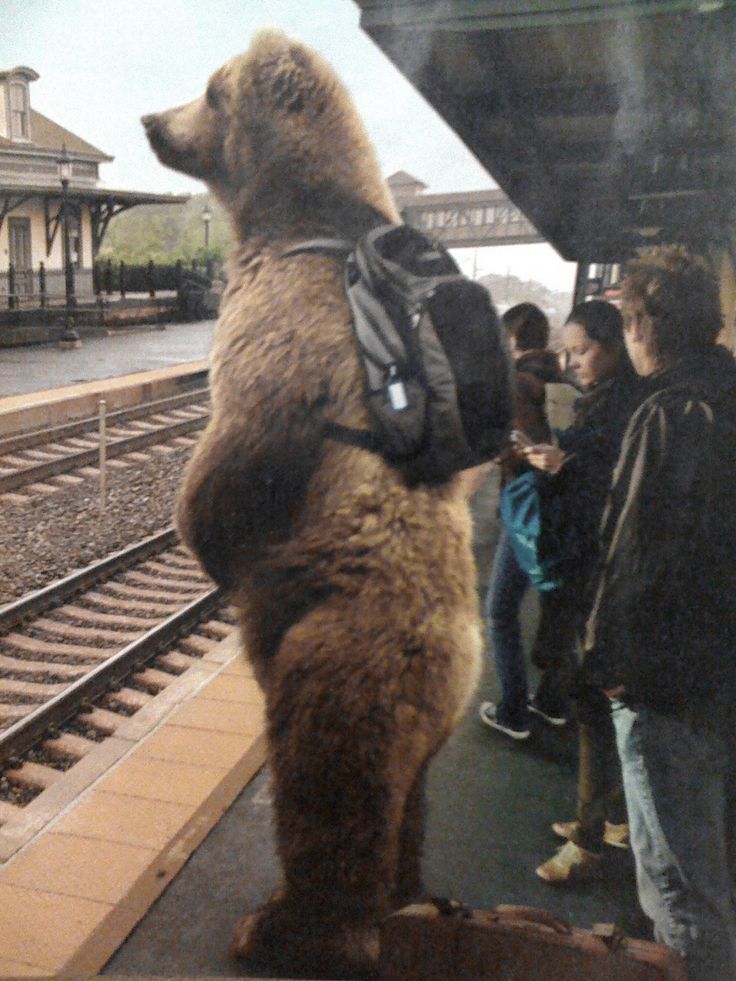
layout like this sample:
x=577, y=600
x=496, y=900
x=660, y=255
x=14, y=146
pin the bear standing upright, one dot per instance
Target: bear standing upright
x=356, y=593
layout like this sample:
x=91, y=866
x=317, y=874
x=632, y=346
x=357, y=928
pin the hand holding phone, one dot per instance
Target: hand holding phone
x=520, y=439
x=545, y=456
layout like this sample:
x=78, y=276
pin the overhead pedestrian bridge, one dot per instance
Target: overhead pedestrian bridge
x=462, y=219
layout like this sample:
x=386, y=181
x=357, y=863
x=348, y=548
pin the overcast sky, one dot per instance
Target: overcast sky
x=105, y=63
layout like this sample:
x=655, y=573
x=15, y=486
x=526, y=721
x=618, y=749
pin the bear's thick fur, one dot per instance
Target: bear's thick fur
x=357, y=594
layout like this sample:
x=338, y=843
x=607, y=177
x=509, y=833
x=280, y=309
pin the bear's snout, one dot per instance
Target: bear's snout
x=151, y=123
x=181, y=138
x=159, y=136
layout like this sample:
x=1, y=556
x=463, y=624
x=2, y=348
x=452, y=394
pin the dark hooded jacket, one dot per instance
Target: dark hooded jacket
x=663, y=621
x=592, y=445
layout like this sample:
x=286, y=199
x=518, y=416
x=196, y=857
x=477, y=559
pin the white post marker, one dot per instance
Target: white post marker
x=103, y=455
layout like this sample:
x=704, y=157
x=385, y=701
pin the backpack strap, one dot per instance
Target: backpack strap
x=363, y=439
x=324, y=246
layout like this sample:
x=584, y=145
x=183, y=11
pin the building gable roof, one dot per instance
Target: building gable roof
x=48, y=135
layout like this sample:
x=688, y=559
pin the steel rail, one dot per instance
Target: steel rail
x=37, y=472
x=58, y=592
x=52, y=434
x=24, y=733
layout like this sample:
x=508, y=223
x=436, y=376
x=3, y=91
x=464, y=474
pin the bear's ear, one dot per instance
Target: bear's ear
x=292, y=83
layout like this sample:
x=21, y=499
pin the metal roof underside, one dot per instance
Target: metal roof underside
x=88, y=194
x=611, y=125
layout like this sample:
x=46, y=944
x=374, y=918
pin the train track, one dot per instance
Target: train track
x=46, y=455
x=80, y=656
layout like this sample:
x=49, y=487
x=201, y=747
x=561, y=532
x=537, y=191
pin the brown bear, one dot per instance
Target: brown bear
x=356, y=592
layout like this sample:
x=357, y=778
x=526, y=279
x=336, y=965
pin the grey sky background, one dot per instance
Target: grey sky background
x=105, y=63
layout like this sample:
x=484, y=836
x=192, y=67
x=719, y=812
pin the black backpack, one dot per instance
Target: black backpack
x=437, y=369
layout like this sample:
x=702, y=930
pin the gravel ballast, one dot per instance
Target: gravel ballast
x=47, y=536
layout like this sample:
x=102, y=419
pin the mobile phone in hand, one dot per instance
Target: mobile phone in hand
x=520, y=439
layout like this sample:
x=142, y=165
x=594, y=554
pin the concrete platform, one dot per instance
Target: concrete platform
x=74, y=892
x=490, y=806
x=172, y=845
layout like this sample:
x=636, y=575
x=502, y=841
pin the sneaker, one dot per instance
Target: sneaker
x=488, y=712
x=615, y=835
x=553, y=720
x=571, y=863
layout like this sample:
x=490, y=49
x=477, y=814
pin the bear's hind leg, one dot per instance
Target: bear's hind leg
x=409, y=888
x=337, y=829
x=342, y=773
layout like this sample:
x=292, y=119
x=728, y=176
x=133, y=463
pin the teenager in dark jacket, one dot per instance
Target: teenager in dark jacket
x=661, y=637
x=535, y=365
x=580, y=469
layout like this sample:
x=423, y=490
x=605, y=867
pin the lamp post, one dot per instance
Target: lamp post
x=64, y=164
x=206, y=218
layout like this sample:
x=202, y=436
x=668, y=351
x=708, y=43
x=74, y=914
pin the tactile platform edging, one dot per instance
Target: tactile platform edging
x=72, y=895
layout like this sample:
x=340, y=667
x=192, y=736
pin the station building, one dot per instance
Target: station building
x=46, y=171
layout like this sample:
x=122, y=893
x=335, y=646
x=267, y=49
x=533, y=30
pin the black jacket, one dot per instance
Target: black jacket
x=663, y=622
x=592, y=443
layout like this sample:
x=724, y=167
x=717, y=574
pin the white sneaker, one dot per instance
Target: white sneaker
x=553, y=720
x=487, y=714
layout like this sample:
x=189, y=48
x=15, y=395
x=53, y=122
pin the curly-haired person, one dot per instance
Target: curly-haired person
x=661, y=637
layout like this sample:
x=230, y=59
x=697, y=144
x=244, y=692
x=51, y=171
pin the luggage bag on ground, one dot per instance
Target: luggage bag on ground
x=447, y=942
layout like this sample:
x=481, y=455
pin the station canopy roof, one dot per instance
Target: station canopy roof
x=610, y=124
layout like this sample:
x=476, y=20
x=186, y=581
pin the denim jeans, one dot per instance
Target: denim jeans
x=508, y=585
x=679, y=780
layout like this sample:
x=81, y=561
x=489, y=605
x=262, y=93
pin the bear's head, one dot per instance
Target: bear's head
x=274, y=128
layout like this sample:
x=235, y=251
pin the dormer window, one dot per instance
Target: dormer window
x=15, y=103
x=20, y=123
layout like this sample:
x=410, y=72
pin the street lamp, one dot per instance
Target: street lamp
x=64, y=165
x=206, y=218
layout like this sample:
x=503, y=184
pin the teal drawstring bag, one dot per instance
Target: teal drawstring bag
x=532, y=516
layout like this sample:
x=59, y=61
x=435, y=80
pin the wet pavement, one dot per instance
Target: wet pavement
x=39, y=367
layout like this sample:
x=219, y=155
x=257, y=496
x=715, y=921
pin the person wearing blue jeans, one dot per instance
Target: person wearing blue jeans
x=680, y=820
x=527, y=329
x=509, y=583
x=661, y=636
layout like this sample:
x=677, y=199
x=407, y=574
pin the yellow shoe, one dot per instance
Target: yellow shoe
x=565, y=829
x=571, y=863
x=615, y=835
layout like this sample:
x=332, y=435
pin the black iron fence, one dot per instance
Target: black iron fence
x=39, y=287
x=109, y=278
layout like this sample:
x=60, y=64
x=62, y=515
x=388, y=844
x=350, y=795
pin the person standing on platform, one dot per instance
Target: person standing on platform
x=535, y=365
x=581, y=466
x=661, y=636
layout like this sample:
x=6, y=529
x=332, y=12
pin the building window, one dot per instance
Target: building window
x=20, y=128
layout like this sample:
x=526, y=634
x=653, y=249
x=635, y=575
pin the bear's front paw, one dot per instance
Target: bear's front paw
x=306, y=948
